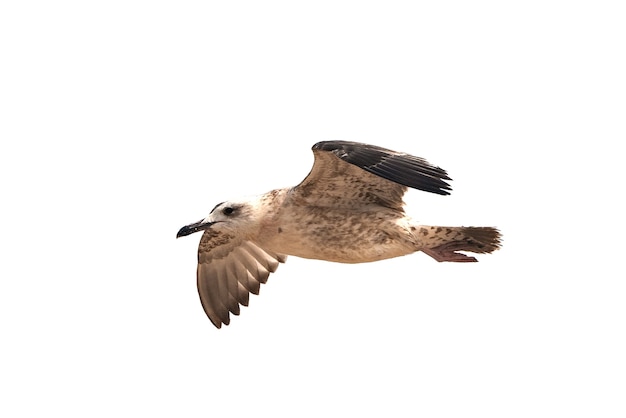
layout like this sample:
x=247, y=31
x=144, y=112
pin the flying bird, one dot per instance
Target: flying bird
x=348, y=209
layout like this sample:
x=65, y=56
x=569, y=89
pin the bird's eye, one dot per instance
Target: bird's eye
x=228, y=210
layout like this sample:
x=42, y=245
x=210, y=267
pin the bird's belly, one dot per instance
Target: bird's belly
x=343, y=252
x=345, y=239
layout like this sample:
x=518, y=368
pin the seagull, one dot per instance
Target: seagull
x=348, y=209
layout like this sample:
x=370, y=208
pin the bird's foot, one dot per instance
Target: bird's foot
x=448, y=252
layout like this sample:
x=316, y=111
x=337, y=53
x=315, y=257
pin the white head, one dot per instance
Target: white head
x=234, y=216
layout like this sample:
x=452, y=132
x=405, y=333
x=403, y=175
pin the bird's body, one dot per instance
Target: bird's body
x=349, y=209
x=331, y=234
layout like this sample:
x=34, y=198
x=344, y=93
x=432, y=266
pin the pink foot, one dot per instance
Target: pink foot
x=447, y=252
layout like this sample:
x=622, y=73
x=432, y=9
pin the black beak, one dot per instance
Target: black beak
x=195, y=227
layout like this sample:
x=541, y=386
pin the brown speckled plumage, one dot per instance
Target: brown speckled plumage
x=348, y=209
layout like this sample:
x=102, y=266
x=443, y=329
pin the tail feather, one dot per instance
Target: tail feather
x=443, y=243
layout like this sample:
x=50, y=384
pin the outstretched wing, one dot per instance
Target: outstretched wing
x=347, y=174
x=229, y=268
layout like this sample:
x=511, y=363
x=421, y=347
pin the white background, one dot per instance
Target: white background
x=122, y=121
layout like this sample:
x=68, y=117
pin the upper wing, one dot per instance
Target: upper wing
x=229, y=269
x=350, y=173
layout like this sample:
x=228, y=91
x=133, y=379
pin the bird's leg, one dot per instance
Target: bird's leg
x=447, y=252
x=443, y=243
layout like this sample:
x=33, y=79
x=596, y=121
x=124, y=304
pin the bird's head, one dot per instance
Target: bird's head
x=232, y=216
